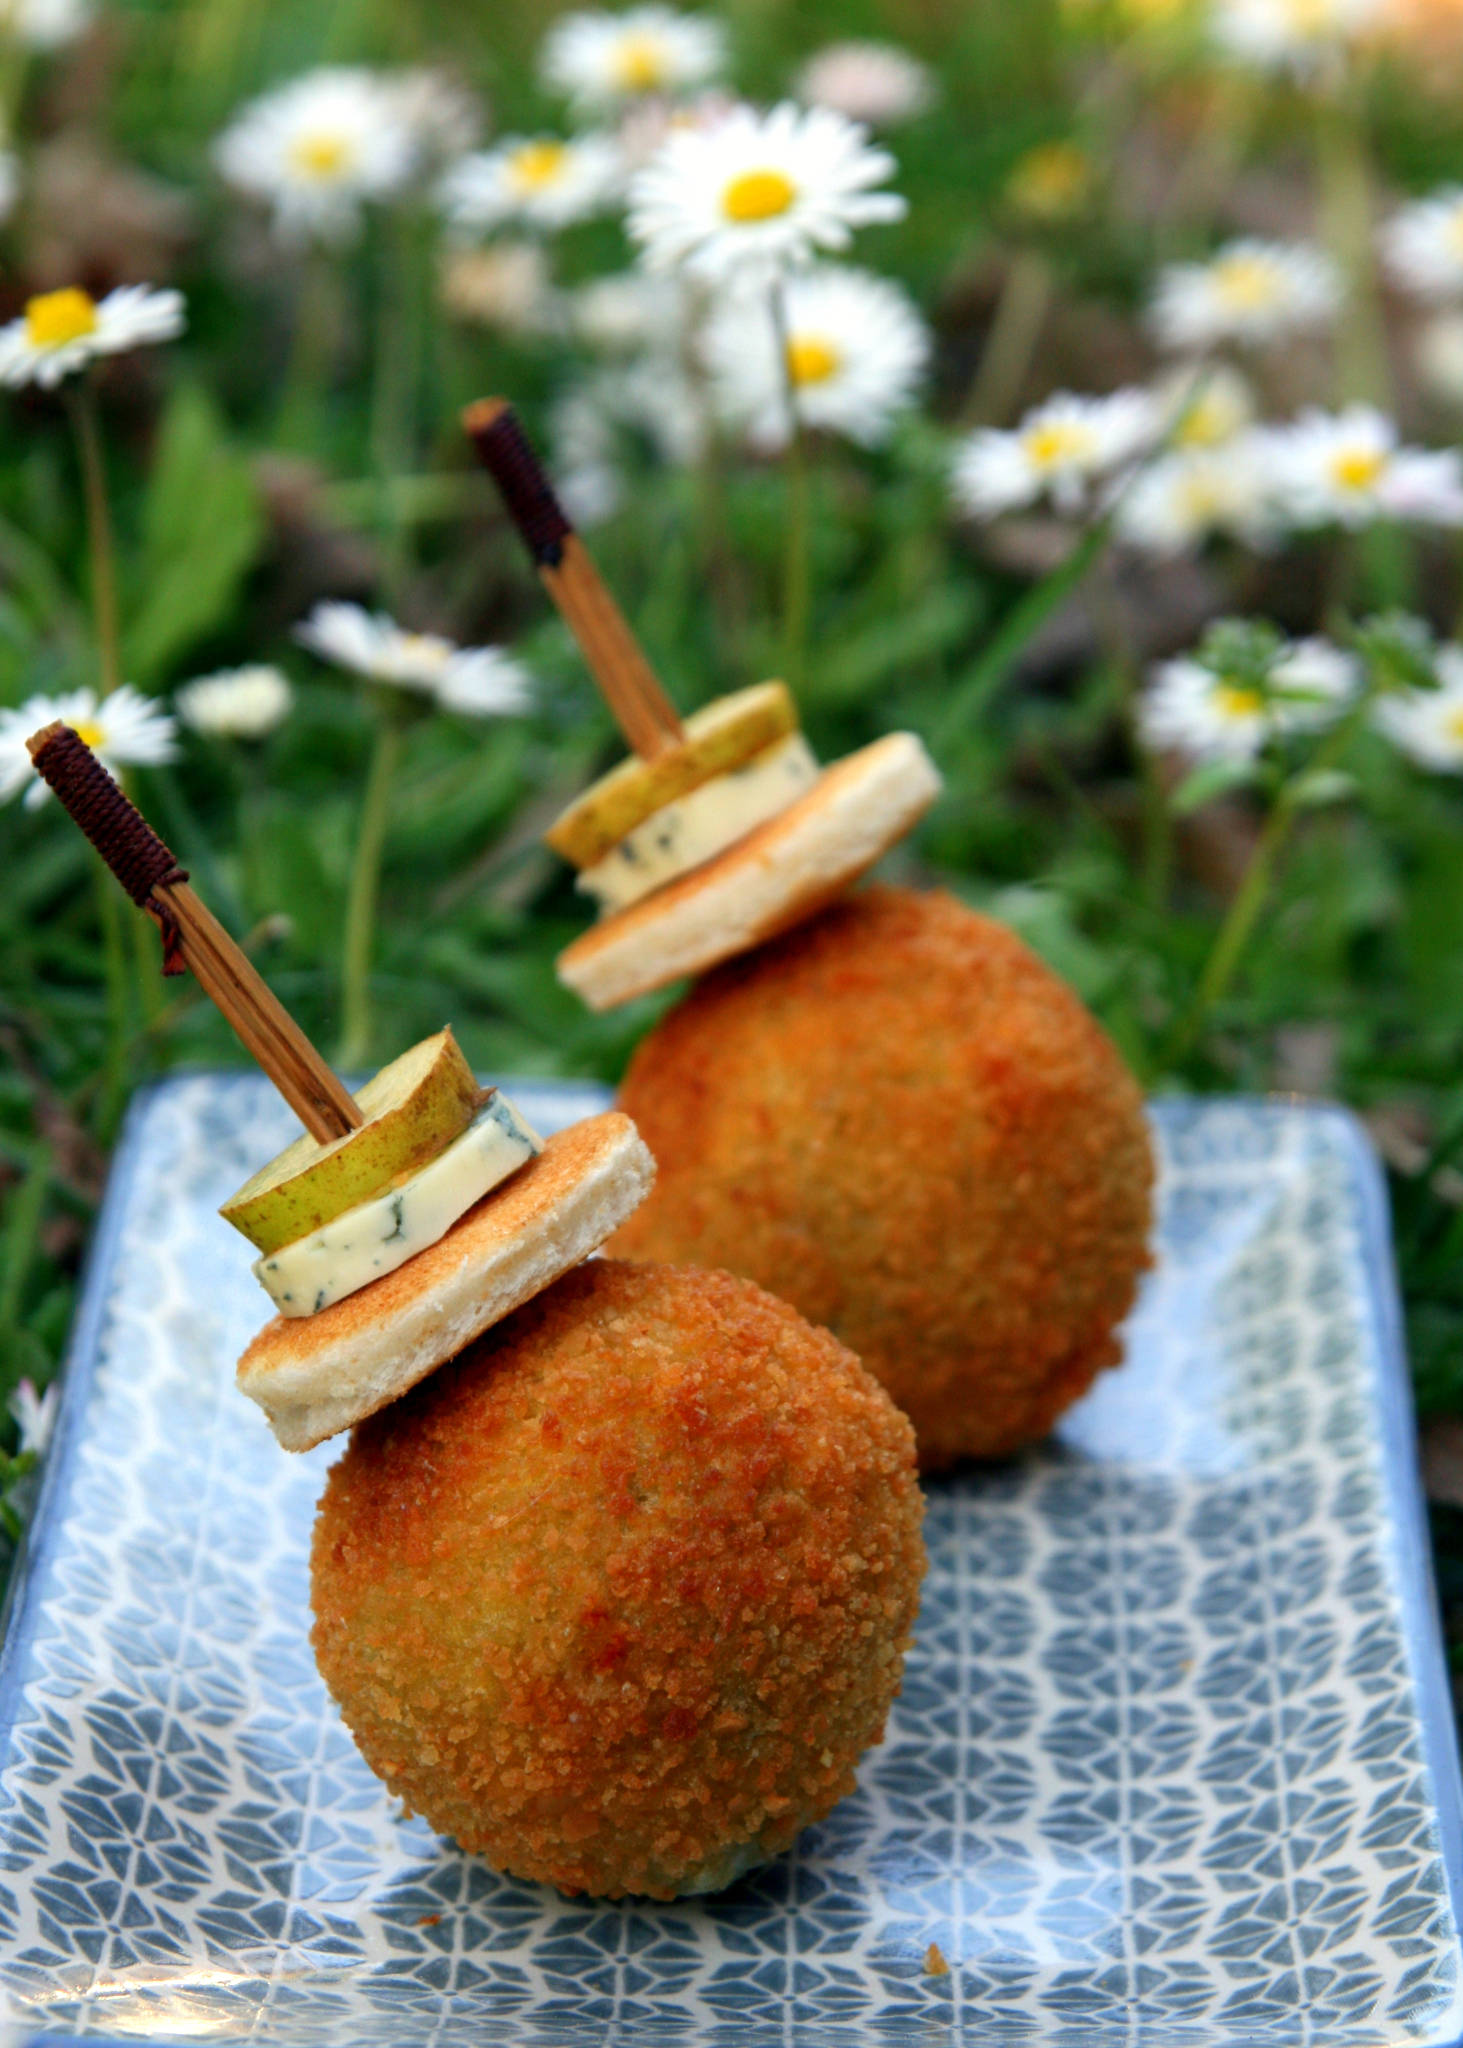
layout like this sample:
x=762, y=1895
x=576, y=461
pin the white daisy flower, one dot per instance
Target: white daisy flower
x=1422, y=245
x=1301, y=37
x=1192, y=494
x=1250, y=291
x=235, y=703
x=316, y=150
x=123, y=730
x=44, y=24
x=856, y=350
x=758, y=193
x=484, y=682
x=1060, y=450
x=587, y=476
x=651, y=402
x=618, y=315
x=535, y=181
x=602, y=61
x=642, y=128
x=1313, y=682
x=35, y=1414
x=1189, y=709
x=505, y=285
x=1427, y=725
x=876, y=83
x=1348, y=469
x=444, y=117
x=1205, y=407
x=479, y=680
x=61, y=332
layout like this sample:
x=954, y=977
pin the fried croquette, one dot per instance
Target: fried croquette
x=620, y=1596
x=897, y=1118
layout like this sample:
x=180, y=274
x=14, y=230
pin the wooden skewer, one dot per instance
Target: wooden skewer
x=616, y=659
x=192, y=935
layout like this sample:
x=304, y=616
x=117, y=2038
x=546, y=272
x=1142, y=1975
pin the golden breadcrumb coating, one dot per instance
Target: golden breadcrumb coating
x=899, y=1119
x=620, y=1596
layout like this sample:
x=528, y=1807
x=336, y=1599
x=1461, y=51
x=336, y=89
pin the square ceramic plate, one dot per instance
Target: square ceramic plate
x=1174, y=1761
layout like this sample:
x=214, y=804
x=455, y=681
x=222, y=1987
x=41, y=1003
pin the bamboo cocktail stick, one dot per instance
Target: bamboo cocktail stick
x=192, y=935
x=616, y=659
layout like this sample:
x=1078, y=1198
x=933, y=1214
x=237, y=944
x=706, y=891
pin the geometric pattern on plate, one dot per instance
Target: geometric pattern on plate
x=1173, y=1763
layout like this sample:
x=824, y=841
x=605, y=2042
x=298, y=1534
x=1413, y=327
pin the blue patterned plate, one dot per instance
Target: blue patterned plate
x=1174, y=1761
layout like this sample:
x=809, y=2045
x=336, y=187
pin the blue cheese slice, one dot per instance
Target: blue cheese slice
x=696, y=827
x=360, y=1246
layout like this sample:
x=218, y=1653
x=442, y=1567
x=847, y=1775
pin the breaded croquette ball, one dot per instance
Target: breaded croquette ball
x=620, y=1596
x=899, y=1119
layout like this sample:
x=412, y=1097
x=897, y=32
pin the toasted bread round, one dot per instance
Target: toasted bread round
x=316, y=1375
x=776, y=876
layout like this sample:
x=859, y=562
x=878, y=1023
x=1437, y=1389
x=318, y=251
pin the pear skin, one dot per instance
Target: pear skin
x=413, y=1110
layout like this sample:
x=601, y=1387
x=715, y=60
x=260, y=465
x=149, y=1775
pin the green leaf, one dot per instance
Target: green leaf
x=1202, y=785
x=1320, y=787
x=201, y=531
x=860, y=665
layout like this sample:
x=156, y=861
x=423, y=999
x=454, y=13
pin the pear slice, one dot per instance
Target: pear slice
x=413, y=1110
x=721, y=736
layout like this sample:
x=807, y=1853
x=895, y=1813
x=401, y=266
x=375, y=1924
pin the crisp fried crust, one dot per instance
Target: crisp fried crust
x=620, y=1596
x=316, y=1375
x=778, y=874
x=899, y=1119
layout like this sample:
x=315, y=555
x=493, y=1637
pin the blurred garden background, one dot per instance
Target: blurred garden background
x=1113, y=449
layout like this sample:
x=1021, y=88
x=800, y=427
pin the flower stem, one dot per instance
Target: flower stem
x=1239, y=920
x=82, y=404
x=365, y=887
x=1348, y=227
x=1020, y=315
x=980, y=684
x=1234, y=932
x=796, y=561
x=300, y=422
x=394, y=395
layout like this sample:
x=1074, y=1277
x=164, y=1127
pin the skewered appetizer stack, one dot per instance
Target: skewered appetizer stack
x=881, y=1105
x=615, y=1577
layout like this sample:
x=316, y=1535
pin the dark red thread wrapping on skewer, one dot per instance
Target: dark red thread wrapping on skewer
x=123, y=838
x=519, y=475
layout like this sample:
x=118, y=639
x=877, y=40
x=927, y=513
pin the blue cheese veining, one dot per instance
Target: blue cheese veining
x=366, y=1242
x=696, y=827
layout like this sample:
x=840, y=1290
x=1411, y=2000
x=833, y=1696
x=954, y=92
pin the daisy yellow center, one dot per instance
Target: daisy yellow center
x=1453, y=726
x=1455, y=231
x=423, y=647
x=322, y=156
x=758, y=195
x=1246, y=284
x=539, y=164
x=1207, y=423
x=89, y=733
x=1237, y=700
x=1357, y=469
x=1057, y=442
x=1201, y=497
x=57, y=318
x=640, y=64
x=1308, y=17
x=1052, y=179
x=811, y=360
